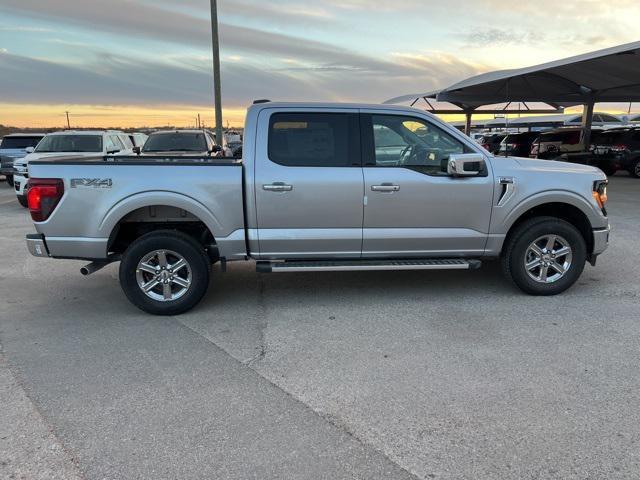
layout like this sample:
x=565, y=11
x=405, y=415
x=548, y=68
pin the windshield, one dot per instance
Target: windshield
x=19, y=142
x=70, y=143
x=177, y=141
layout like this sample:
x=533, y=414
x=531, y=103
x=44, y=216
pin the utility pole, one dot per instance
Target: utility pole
x=68, y=124
x=215, y=45
x=198, y=120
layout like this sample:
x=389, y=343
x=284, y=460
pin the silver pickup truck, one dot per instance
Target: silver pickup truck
x=324, y=187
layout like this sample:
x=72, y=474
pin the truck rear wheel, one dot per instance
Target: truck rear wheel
x=22, y=200
x=635, y=169
x=544, y=256
x=165, y=273
x=10, y=180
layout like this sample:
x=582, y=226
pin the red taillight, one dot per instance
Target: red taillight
x=619, y=148
x=43, y=194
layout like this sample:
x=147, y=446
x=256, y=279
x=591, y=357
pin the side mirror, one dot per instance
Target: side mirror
x=29, y=149
x=466, y=165
x=215, y=149
x=136, y=150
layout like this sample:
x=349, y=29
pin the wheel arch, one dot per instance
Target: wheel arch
x=175, y=211
x=564, y=210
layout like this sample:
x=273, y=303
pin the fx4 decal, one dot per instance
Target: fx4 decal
x=91, y=183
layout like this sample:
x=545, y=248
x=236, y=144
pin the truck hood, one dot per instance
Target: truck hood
x=535, y=165
x=181, y=153
x=12, y=152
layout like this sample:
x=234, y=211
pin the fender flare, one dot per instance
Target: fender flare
x=550, y=196
x=147, y=199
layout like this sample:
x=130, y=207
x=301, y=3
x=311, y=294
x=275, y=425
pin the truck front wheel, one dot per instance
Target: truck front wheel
x=544, y=256
x=165, y=272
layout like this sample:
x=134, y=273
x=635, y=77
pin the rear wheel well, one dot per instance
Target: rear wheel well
x=563, y=211
x=161, y=217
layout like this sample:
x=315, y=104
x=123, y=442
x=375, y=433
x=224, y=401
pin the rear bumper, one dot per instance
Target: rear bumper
x=601, y=240
x=67, y=247
x=36, y=245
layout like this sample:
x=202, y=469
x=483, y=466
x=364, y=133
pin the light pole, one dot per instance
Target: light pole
x=68, y=124
x=216, y=70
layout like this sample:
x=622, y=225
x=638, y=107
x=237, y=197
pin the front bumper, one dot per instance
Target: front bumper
x=601, y=240
x=36, y=245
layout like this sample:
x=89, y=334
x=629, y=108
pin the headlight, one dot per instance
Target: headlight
x=600, y=193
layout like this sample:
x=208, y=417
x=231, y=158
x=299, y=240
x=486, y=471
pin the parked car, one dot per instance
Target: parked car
x=617, y=149
x=180, y=142
x=318, y=192
x=517, y=144
x=235, y=149
x=77, y=143
x=15, y=146
x=491, y=142
x=554, y=143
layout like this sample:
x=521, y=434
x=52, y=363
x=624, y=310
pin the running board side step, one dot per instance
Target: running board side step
x=362, y=265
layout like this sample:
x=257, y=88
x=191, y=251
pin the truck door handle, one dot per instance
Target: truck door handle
x=277, y=187
x=385, y=187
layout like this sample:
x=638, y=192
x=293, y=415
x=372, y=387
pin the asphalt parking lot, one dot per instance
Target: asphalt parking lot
x=324, y=375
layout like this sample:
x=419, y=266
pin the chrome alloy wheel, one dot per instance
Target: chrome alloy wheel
x=548, y=258
x=163, y=275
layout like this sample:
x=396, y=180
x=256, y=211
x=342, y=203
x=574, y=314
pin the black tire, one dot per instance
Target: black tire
x=10, y=180
x=518, y=243
x=634, y=171
x=22, y=200
x=199, y=266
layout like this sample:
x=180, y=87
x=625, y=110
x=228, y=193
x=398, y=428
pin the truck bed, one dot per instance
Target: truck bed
x=101, y=191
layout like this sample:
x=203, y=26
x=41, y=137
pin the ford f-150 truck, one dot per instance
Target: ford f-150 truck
x=320, y=187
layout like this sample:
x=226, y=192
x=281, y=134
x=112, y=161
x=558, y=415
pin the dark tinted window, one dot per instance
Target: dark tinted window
x=176, y=142
x=313, y=139
x=400, y=141
x=568, y=137
x=19, y=142
x=609, y=118
x=609, y=138
x=70, y=143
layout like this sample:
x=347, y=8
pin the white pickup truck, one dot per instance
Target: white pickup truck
x=320, y=187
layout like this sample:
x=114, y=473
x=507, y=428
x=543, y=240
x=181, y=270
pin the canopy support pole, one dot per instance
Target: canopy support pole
x=467, y=124
x=587, y=120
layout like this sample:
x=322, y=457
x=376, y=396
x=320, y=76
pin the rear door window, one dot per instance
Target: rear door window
x=314, y=139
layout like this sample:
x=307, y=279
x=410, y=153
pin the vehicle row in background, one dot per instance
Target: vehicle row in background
x=19, y=149
x=14, y=146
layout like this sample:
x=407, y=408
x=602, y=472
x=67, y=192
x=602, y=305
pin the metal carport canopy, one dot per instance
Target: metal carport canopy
x=609, y=75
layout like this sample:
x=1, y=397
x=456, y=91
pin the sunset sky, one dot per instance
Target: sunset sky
x=143, y=62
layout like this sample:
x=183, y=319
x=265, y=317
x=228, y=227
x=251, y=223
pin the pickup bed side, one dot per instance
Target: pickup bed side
x=206, y=191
